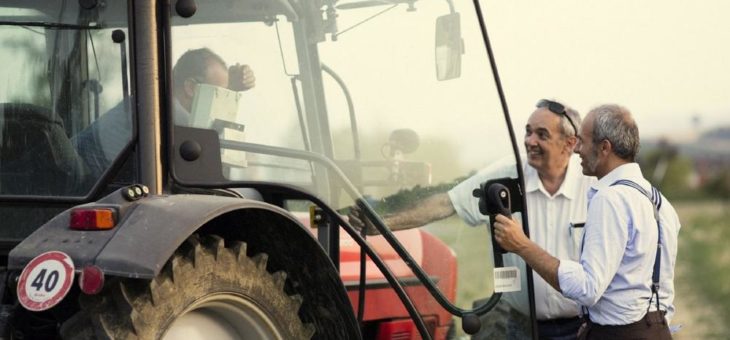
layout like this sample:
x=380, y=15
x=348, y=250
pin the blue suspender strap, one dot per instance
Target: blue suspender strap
x=656, y=200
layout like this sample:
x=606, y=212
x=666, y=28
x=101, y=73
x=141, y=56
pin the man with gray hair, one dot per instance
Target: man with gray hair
x=624, y=278
x=555, y=196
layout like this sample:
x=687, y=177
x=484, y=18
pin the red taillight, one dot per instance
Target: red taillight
x=93, y=218
x=396, y=330
x=91, y=280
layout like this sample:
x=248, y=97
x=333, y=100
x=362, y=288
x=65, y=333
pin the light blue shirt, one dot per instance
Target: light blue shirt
x=613, y=277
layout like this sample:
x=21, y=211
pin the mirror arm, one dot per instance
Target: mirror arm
x=452, y=9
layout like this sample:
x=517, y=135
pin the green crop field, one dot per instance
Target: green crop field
x=703, y=270
x=474, y=252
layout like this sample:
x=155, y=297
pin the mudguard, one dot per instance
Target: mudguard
x=147, y=233
x=150, y=229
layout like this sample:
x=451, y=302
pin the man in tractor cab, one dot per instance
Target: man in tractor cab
x=624, y=278
x=202, y=66
x=194, y=66
x=555, y=194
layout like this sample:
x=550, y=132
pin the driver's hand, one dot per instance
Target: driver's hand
x=357, y=219
x=241, y=78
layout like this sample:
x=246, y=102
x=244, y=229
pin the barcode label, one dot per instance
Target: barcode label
x=507, y=279
x=505, y=275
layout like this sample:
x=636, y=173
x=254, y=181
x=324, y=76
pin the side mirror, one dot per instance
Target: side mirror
x=449, y=46
x=403, y=141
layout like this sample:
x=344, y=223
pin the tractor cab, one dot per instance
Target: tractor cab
x=266, y=122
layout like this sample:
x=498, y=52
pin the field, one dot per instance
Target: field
x=703, y=267
x=703, y=270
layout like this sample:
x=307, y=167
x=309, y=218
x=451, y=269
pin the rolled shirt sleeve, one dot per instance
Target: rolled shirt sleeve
x=607, y=233
x=465, y=204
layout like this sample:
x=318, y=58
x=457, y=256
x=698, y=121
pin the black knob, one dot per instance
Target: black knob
x=118, y=36
x=470, y=323
x=190, y=150
x=186, y=8
x=88, y=4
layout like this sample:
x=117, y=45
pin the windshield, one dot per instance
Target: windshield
x=62, y=72
x=395, y=98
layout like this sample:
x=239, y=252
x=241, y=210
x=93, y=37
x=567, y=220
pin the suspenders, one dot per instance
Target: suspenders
x=631, y=331
x=656, y=201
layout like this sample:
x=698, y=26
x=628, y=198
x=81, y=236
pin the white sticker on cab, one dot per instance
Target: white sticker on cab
x=507, y=279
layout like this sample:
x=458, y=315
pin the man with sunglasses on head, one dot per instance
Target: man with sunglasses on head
x=624, y=276
x=555, y=194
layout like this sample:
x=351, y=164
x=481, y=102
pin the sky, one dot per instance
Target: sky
x=666, y=61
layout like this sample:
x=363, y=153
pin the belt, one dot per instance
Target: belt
x=649, y=318
x=652, y=326
x=559, y=321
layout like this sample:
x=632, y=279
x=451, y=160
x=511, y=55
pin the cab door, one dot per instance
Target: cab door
x=418, y=126
x=381, y=111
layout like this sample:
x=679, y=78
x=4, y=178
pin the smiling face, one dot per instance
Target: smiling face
x=547, y=148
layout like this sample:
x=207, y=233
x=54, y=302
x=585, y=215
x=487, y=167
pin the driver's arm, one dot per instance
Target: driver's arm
x=433, y=208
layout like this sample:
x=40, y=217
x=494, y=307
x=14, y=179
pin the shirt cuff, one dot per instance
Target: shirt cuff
x=570, y=278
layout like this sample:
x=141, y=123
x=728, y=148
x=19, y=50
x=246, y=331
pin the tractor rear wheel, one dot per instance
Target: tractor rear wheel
x=206, y=291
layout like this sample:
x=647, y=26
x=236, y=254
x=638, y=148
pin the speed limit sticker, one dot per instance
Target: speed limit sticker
x=45, y=281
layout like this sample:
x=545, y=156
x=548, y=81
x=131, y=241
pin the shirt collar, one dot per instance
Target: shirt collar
x=532, y=180
x=569, y=188
x=630, y=171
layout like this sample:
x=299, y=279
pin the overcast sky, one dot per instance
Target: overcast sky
x=667, y=61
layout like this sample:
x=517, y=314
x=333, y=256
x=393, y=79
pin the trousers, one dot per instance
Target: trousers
x=652, y=326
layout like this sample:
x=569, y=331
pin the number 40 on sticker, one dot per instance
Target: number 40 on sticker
x=44, y=282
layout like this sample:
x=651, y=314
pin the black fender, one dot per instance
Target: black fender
x=150, y=229
x=148, y=232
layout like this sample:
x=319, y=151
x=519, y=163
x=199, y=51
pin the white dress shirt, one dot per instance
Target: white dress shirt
x=613, y=276
x=551, y=220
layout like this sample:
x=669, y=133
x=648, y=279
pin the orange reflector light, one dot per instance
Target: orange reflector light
x=93, y=218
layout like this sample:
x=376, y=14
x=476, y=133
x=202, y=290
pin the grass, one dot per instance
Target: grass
x=473, y=249
x=703, y=269
x=474, y=255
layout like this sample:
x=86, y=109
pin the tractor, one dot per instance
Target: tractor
x=140, y=198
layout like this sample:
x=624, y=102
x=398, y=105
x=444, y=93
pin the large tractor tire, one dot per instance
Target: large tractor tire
x=205, y=291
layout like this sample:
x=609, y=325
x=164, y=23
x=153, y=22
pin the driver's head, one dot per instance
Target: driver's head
x=194, y=67
x=550, y=135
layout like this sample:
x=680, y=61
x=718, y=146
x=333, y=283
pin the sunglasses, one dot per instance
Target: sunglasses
x=556, y=108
